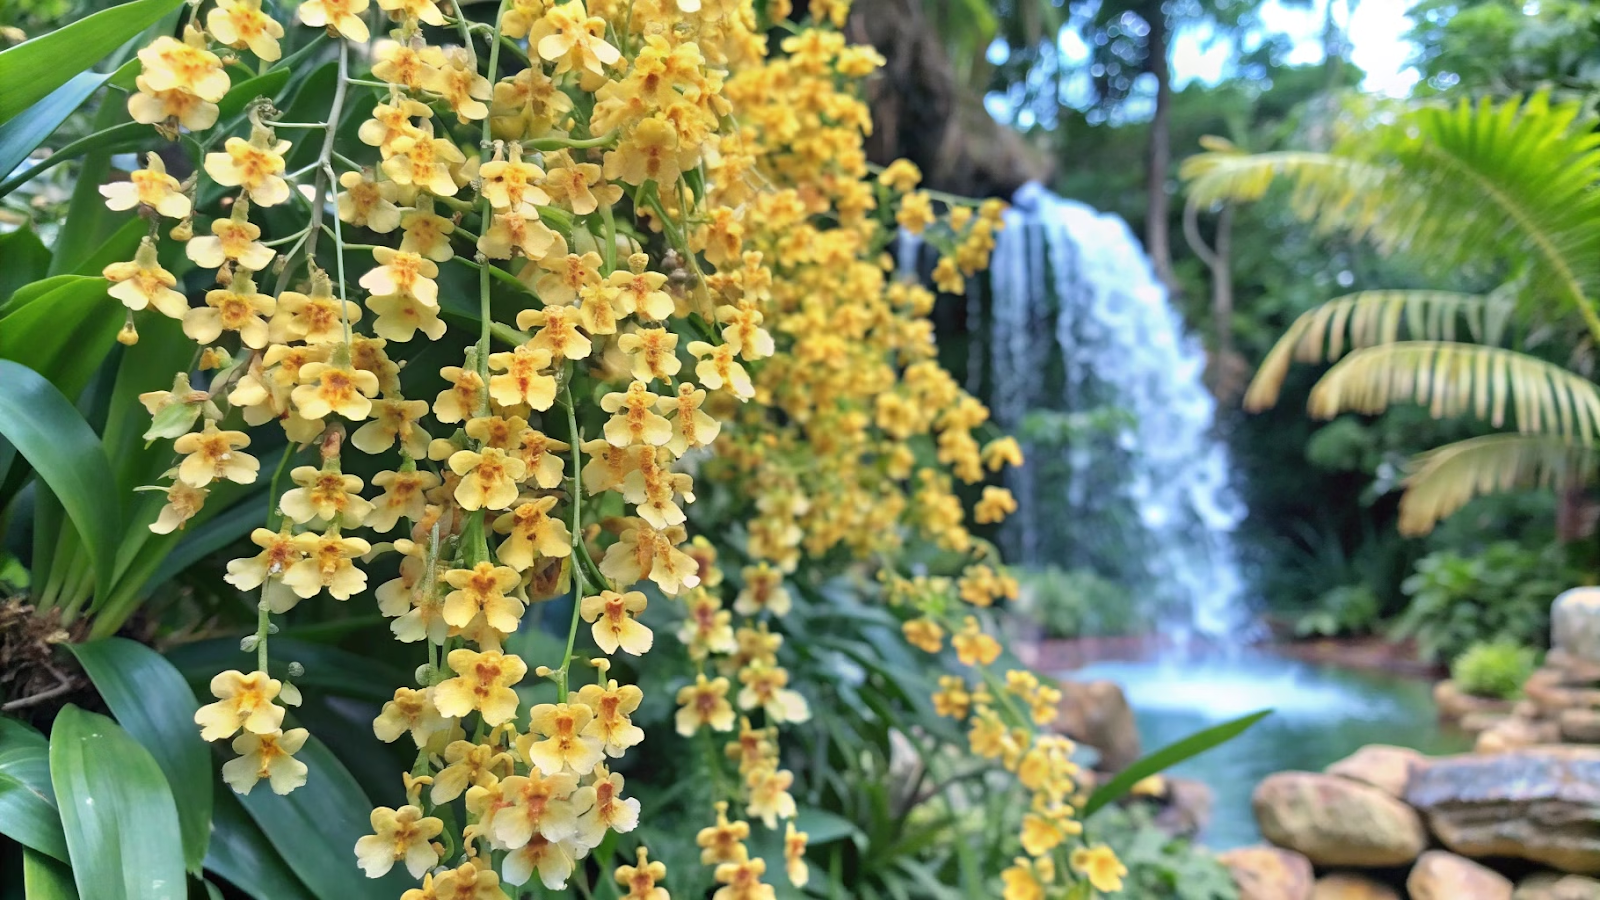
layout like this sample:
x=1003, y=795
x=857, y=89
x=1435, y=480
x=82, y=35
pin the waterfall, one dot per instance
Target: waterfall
x=1087, y=363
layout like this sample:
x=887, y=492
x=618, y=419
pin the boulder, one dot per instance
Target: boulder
x=1514, y=733
x=1097, y=713
x=1445, y=876
x=1479, y=722
x=1454, y=703
x=1575, y=624
x=1268, y=873
x=1578, y=672
x=1337, y=822
x=1386, y=768
x=1554, y=886
x=1349, y=886
x=1539, y=803
x=1547, y=691
x=1186, y=806
x=1580, y=726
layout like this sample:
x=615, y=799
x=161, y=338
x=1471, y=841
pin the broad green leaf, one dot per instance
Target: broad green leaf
x=315, y=828
x=1168, y=756
x=27, y=802
x=116, y=809
x=90, y=225
x=32, y=69
x=51, y=435
x=33, y=289
x=27, y=258
x=64, y=334
x=44, y=878
x=20, y=136
x=240, y=853
x=153, y=702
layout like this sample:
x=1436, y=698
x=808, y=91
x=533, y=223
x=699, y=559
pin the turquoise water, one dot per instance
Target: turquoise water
x=1321, y=714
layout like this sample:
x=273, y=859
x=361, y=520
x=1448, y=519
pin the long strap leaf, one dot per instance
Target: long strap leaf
x=53, y=437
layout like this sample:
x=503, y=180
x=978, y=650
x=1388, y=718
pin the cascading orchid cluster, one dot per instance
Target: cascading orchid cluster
x=695, y=247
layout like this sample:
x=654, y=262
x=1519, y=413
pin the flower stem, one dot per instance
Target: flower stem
x=577, y=541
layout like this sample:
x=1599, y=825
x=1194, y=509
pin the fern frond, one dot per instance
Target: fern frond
x=1443, y=480
x=1370, y=318
x=1453, y=379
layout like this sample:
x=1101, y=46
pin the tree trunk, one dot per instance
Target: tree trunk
x=1157, y=237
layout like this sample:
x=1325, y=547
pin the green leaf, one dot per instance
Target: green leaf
x=33, y=289
x=44, y=878
x=32, y=69
x=1168, y=756
x=27, y=801
x=116, y=809
x=20, y=136
x=90, y=223
x=52, y=436
x=153, y=702
x=64, y=334
x=27, y=258
x=315, y=828
x=240, y=853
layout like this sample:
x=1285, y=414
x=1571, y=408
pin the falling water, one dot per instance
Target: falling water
x=1089, y=365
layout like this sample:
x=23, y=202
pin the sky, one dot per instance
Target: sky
x=1376, y=31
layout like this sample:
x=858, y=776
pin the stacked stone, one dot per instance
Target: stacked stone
x=1561, y=700
x=1388, y=822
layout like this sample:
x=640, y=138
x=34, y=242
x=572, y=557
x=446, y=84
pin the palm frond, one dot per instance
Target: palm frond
x=1509, y=185
x=1453, y=379
x=1370, y=318
x=1343, y=190
x=1441, y=481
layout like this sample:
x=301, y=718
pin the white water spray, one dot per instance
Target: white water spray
x=1132, y=476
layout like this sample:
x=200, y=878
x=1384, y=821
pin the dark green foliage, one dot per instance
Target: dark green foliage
x=1500, y=592
x=1079, y=603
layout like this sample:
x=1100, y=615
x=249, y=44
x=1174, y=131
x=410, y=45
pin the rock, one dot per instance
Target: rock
x=1268, y=873
x=1580, y=726
x=1337, y=822
x=1575, y=624
x=1551, y=695
x=1554, y=886
x=1186, y=807
x=1454, y=703
x=1513, y=733
x=1540, y=804
x=1097, y=713
x=1479, y=722
x=1347, y=886
x=1386, y=768
x=1573, y=671
x=1445, y=876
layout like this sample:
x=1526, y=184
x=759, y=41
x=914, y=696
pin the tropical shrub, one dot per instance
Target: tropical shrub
x=1495, y=669
x=467, y=328
x=1501, y=592
x=1346, y=609
x=1079, y=603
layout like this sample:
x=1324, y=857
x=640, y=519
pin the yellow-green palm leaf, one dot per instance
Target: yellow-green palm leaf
x=1371, y=318
x=1443, y=480
x=1454, y=379
x=1509, y=185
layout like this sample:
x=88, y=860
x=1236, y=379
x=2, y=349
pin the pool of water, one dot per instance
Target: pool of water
x=1321, y=713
